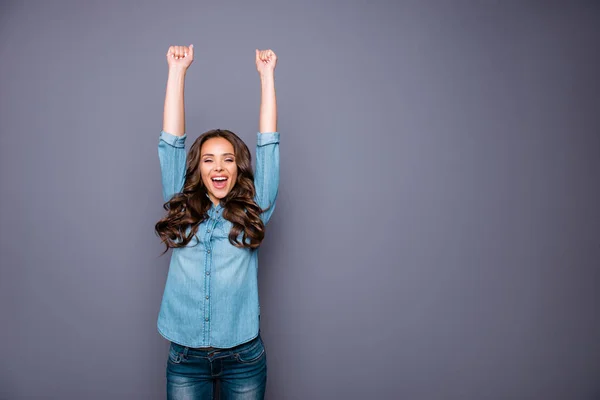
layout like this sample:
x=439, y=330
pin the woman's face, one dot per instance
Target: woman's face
x=218, y=168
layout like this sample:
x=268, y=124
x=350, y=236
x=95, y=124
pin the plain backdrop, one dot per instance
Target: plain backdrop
x=437, y=229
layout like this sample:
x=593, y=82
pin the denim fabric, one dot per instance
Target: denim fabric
x=240, y=371
x=211, y=293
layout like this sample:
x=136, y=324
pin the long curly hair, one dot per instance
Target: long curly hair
x=189, y=208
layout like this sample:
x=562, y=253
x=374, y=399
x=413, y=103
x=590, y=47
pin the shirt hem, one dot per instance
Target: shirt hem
x=198, y=345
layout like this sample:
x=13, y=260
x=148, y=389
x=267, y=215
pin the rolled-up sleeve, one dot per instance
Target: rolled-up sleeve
x=172, y=156
x=266, y=174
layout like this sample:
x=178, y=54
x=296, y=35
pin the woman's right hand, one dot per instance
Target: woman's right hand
x=180, y=56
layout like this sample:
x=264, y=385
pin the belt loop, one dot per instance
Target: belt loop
x=185, y=352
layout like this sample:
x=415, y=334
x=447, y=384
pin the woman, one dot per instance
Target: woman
x=217, y=209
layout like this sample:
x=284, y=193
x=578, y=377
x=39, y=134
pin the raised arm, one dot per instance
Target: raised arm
x=266, y=60
x=266, y=175
x=179, y=58
x=171, y=146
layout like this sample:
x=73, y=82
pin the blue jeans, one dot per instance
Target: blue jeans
x=241, y=372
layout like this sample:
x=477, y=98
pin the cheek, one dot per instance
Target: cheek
x=235, y=174
x=204, y=173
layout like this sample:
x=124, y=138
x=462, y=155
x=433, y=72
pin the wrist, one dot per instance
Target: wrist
x=267, y=76
x=177, y=71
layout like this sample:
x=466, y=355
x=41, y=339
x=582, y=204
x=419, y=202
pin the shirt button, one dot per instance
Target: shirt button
x=207, y=297
x=208, y=231
x=206, y=319
x=207, y=272
x=208, y=251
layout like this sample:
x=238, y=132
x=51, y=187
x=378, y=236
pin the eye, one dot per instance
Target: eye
x=206, y=160
x=229, y=160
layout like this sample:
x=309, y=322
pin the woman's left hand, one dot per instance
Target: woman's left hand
x=265, y=61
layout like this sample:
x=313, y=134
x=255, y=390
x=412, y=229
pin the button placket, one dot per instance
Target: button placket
x=212, y=221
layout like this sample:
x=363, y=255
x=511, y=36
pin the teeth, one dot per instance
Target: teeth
x=219, y=179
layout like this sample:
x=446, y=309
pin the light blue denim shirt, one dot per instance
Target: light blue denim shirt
x=211, y=293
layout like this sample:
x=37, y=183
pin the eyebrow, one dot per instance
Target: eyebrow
x=224, y=154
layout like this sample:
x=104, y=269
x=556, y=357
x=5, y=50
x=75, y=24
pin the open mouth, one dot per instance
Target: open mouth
x=219, y=182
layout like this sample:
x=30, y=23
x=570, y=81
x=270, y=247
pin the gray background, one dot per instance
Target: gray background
x=437, y=230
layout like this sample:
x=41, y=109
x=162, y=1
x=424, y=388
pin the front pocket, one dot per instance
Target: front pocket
x=252, y=354
x=174, y=356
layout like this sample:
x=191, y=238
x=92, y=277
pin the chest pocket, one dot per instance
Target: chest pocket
x=223, y=228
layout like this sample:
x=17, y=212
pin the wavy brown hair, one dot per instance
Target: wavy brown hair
x=189, y=208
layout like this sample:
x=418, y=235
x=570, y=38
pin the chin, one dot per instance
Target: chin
x=220, y=195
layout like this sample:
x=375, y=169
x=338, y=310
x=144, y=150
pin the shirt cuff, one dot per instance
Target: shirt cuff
x=175, y=141
x=264, y=139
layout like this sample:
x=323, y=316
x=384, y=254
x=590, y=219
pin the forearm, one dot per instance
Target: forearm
x=268, y=104
x=174, y=111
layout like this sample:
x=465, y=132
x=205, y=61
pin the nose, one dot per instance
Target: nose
x=218, y=166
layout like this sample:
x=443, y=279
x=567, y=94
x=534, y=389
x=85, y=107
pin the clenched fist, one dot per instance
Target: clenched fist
x=180, y=56
x=265, y=61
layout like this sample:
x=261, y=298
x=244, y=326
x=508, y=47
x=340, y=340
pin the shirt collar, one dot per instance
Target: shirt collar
x=214, y=209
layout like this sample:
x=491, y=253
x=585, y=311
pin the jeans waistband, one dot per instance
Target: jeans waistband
x=219, y=349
